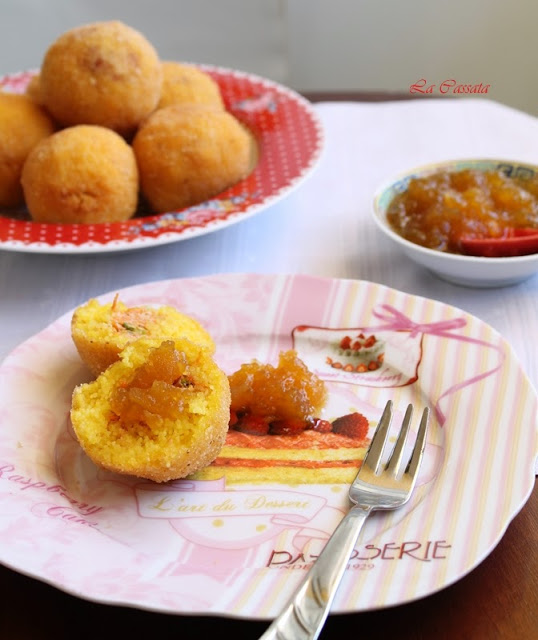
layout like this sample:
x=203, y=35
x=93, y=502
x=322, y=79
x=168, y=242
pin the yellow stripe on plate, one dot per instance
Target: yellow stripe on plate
x=244, y=453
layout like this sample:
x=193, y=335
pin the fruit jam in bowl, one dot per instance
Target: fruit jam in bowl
x=472, y=222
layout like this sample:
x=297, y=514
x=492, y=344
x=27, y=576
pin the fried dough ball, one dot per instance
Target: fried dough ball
x=187, y=154
x=22, y=125
x=82, y=174
x=103, y=73
x=33, y=90
x=186, y=84
x=159, y=413
x=101, y=331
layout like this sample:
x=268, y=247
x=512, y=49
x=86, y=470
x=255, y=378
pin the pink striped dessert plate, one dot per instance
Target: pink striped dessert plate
x=289, y=139
x=238, y=544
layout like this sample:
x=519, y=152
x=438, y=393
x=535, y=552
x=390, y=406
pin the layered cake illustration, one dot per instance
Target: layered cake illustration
x=316, y=452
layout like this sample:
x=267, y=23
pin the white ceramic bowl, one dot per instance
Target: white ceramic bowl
x=460, y=269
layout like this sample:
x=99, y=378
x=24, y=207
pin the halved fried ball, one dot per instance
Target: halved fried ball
x=160, y=413
x=104, y=73
x=82, y=174
x=187, y=84
x=22, y=125
x=101, y=331
x=188, y=154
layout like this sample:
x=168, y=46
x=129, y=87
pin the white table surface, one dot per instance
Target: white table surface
x=322, y=228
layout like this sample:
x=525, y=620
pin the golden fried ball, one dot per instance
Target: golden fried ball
x=33, y=90
x=103, y=73
x=22, y=125
x=160, y=413
x=187, y=154
x=186, y=84
x=82, y=174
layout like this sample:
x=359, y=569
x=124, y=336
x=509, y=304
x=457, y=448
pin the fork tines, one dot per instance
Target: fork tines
x=374, y=455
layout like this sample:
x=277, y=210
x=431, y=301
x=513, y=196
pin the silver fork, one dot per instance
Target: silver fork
x=306, y=612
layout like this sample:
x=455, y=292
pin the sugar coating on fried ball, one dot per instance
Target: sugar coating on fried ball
x=81, y=174
x=104, y=73
x=22, y=125
x=186, y=84
x=188, y=154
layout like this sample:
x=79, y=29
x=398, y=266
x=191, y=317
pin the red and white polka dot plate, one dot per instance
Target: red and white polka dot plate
x=290, y=140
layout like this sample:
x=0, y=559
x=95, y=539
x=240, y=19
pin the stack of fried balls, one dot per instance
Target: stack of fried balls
x=106, y=125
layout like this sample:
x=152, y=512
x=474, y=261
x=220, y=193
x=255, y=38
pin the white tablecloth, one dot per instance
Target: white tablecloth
x=322, y=228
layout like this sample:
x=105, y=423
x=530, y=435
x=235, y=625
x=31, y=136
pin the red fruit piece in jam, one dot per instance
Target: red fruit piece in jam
x=321, y=426
x=254, y=425
x=353, y=425
x=290, y=427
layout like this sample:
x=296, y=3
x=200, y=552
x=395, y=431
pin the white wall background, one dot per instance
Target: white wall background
x=312, y=44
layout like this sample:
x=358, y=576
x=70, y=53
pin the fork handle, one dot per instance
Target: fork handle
x=304, y=615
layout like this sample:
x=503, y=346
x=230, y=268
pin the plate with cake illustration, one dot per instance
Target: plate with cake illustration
x=235, y=538
x=289, y=141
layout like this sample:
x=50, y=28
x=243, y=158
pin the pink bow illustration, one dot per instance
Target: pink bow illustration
x=397, y=321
